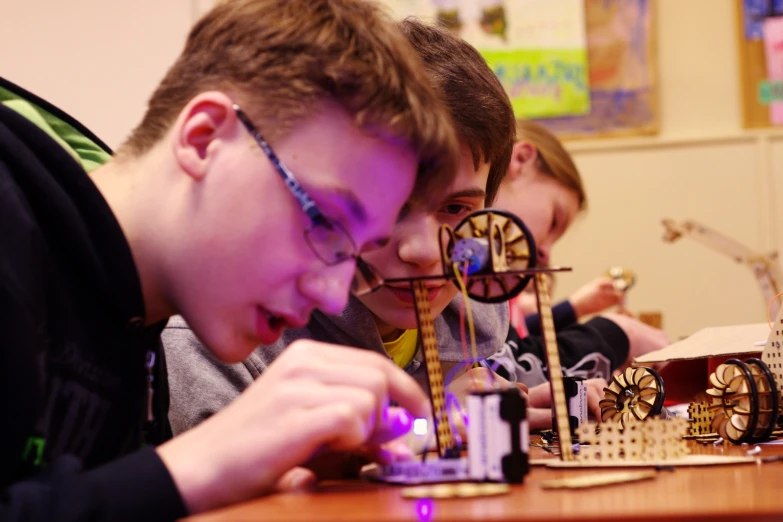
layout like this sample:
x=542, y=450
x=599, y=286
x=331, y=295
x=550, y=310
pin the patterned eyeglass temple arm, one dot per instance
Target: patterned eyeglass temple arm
x=308, y=205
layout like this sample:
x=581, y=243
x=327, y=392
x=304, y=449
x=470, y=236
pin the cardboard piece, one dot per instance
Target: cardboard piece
x=713, y=342
x=691, y=360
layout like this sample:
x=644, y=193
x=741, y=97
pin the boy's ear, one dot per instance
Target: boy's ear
x=523, y=157
x=202, y=123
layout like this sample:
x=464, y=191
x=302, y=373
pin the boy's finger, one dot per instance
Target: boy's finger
x=402, y=388
x=394, y=423
x=296, y=479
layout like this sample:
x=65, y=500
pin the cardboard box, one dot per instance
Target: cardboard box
x=690, y=361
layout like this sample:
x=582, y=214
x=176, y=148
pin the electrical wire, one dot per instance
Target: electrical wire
x=466, y=300
x=769, y=309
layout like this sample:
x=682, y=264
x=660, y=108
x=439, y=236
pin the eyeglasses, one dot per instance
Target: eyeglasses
x=328, y=240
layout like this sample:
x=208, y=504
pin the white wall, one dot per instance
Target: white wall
x=100, y=60
x=702, y=166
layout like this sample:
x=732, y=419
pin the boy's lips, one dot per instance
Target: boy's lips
x=405, y=293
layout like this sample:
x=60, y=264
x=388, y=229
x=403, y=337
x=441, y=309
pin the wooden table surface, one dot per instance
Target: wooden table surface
x=736, y=492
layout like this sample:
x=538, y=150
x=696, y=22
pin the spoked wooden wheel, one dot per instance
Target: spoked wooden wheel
x=636, y=393
x=492, y=242
x=768, y=398
x=735, y=401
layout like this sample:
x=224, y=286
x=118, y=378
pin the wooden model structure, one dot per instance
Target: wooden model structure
x=745, y=396
x=654, y=440
x=744, y=401
x=491, y=256
x=496, y=253
x=764, y=266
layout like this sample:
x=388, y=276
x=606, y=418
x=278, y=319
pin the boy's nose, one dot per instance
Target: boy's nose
x=328, y=288
x=420, y=247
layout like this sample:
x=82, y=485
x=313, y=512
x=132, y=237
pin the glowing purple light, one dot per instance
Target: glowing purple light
x=420, y=426
x=424, y=509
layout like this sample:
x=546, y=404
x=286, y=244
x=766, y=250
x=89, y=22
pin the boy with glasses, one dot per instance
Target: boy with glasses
x=384, y=321
x=191, y=216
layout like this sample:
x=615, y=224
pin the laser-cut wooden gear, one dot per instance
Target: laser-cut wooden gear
x=636, y=393
x=512, y=248
x=734, y=397
x=745, y=400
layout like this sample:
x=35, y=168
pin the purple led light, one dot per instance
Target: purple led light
x=420, y=426
x=424, y=509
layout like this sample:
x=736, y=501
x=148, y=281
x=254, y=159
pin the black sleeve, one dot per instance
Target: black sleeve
x=135, y=487
x=589, y=350
x=563, y=315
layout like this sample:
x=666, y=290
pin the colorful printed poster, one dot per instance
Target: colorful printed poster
x=773, y=53
x=753, y=14
x=537, y=48
x=622, y=69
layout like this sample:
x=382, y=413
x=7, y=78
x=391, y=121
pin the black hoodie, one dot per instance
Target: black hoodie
x=73, y=345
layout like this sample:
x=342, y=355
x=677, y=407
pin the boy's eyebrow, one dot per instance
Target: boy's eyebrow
x=343, y=198
x=347, y=200
x=474, y=192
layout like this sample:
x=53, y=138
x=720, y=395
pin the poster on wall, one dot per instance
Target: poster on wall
x=584, y=68
x=537, y=48
x=754, y=12
x=759, y=40
x=621, y=62
x=622, y=68
x=773, y=55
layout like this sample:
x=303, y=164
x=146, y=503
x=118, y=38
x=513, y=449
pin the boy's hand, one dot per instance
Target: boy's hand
x=595, y=393
x=479, y=379
x=314, y=397
x=596, y=296
x=541, y=397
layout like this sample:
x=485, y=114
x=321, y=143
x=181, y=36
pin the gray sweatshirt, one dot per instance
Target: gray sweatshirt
x=200, y=385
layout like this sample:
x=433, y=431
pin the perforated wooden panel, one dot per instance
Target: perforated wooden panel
x=773, y=353
x=429, y=345
x=555, y=369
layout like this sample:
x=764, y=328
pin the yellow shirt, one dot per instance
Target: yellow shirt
x=403, y=348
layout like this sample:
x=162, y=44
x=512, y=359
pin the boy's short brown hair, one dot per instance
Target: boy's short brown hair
x=479, y=106
x=279, y=58
x=553, y=159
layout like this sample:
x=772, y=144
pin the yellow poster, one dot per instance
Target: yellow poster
x=537, y=48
